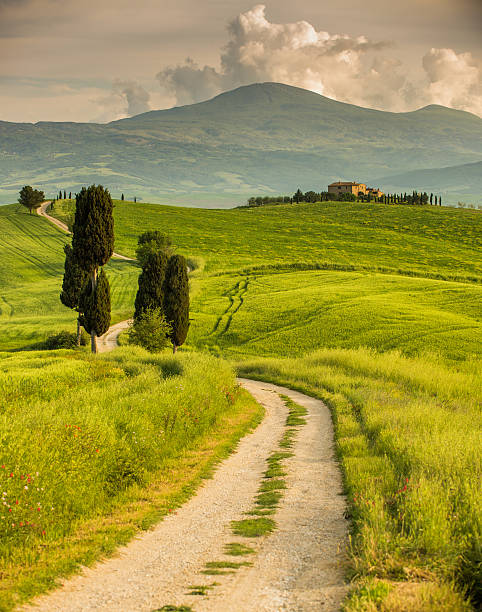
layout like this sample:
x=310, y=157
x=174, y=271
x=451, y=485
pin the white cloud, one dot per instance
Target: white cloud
x=134, y=95
x=126, y=99
x=454, y=80
x=347, y=68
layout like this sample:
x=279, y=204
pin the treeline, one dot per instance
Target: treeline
x=414, y=198
x=62, y=195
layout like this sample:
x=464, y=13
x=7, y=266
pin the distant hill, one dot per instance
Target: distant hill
x=259, y=138
x=463, y=180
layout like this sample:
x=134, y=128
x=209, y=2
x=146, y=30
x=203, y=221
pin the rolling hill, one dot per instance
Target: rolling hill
x=259, y=138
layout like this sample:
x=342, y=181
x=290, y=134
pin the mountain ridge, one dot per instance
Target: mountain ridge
x=259, y=138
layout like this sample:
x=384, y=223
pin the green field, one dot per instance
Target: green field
x=31, y=251
x=373, y=308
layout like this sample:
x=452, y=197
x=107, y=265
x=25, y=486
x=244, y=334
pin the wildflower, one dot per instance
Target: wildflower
x=11, y=474
x=26, y=487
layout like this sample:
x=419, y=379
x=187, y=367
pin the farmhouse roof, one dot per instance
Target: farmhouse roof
x=344, y=183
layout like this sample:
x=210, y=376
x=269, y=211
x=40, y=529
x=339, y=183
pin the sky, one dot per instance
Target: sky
x=100, y=60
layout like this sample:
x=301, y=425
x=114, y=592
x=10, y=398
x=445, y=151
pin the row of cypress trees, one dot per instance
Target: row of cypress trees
x=163, y=282
x=163, y=285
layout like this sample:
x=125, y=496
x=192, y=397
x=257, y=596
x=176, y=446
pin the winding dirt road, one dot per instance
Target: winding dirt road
x=299, y=567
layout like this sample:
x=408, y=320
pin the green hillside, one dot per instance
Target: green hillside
x=31, y=252
x=259, y=138
x=374, y=309
x=282, y=280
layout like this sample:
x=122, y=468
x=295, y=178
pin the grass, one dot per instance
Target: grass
x=88, y=457
x=201, y=589
x=31, y=251
x=253, y=527
x=373, y=308
x=408, y=441
x=425, y=241
x=237, y=550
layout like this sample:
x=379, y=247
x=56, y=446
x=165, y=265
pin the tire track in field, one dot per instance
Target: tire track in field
x=236, y=297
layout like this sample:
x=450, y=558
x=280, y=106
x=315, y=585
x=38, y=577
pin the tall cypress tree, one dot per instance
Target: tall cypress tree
x=93, y=245
x=75, y=279
x=176, y=301
x=95, y=306
x=150, y=294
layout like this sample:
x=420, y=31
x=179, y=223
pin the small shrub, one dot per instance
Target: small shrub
x=64, y=340
x=150, y=330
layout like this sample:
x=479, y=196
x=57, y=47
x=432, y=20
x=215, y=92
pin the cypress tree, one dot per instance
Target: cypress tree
x=95, y=306
x=75, y=279
x=122, y=197
x=176, y=302
x=93, y=244
x=150, y=293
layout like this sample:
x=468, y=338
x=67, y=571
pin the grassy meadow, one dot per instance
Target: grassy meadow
x=95, y=448
x=31, y=252
x=373, y=308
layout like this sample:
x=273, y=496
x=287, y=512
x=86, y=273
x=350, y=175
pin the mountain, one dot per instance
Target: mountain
x=462, y=180
x=259, y=138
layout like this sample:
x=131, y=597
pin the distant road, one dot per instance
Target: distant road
x=109, y=340
x=42, y=211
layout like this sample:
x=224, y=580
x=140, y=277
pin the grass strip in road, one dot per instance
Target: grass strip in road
x=253, y=527
x=236, y=549
x=201, y=589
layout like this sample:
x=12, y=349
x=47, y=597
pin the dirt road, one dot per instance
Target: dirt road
x=298, y=567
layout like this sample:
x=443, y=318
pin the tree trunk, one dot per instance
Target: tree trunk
x=78, y=331
x=93, y=336
x=174, y=348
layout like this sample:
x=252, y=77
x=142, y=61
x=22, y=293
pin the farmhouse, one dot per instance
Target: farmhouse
x=353, y=187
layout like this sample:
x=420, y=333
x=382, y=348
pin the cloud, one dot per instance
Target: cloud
x=134, y=95
x=351, y=69
x=191, y=83
x=127, y=98
x=454, y=80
